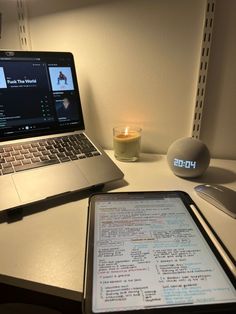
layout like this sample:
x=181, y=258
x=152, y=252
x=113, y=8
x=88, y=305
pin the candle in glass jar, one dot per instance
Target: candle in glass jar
x=126, y=143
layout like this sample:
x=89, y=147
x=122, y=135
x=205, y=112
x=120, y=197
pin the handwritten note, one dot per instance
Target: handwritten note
x=149, y=253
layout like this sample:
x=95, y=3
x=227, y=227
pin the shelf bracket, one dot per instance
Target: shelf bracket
x=203, y=67
x=23, y=25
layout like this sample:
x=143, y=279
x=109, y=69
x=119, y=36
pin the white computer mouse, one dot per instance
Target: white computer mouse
x=219, y=196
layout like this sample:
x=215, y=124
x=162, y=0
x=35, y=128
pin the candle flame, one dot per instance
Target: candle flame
x=126, y=131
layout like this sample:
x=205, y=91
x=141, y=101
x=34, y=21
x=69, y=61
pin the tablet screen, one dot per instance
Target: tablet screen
x=149, y=253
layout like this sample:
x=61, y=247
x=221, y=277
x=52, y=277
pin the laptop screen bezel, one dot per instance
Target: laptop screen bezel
x=45, y=55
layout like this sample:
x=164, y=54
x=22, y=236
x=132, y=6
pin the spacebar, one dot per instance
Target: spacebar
x=36, y=165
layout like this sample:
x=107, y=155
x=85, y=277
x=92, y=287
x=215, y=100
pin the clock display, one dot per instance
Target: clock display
x=188, y=164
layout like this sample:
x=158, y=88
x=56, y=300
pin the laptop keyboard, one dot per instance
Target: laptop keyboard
x=34, y=154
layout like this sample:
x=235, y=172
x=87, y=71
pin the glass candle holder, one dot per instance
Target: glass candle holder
x=127, y=142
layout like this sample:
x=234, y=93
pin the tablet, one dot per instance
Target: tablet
x=148, y=252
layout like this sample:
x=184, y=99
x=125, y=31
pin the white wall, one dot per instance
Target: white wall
x=137, y=61
x=219, y=116
x=9, y=28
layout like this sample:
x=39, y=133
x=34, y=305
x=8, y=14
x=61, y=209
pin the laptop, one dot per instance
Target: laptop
x=44, y=150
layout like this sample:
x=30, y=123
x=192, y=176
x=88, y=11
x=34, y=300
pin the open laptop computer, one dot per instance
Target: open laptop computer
x=44, y=151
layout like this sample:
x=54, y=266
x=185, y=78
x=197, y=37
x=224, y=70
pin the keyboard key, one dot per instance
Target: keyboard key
x=15, y=153
x=6, y=154
x=27, y=156
x=8, y=149
x=46, y=152
x=17, y=147
x=19, y=157
x=24, y=151
x=36, y=165
x=6, y=165
x=37, y=154
x=49, y=147
x=36, y=159
x=41, y=149
x=61, y=155
x=33, y=150
x=34, y=144
x=7, y=170
x=73, y=157
x=61, y=150
x=16, y=163
x=43, y=158
x=26, y=146
x=64, y=159
x=10, y=159
x=26, y=161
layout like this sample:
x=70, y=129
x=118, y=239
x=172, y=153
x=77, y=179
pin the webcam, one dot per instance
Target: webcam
x=9, y=53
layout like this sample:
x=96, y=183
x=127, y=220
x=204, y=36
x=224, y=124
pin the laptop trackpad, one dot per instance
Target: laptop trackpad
x=41, y=183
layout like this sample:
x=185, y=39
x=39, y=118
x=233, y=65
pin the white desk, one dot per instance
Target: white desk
x=47, y=247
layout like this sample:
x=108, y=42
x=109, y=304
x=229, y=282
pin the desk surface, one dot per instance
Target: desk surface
x=47, y=248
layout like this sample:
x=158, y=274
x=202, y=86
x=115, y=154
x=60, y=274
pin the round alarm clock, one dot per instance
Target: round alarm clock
x=188, y=157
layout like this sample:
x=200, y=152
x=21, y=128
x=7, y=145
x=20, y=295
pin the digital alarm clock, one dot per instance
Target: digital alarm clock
x=188, y=164
x=188, y=157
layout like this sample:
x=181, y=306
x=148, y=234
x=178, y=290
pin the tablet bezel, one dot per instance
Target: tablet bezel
x=188, y=202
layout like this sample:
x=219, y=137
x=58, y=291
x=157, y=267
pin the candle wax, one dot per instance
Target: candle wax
x=127, y=146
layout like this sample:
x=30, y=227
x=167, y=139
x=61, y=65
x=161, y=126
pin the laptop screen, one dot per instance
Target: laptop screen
x=38, y=94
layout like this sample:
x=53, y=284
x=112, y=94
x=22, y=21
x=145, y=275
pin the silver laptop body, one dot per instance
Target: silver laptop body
x=41, y=131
